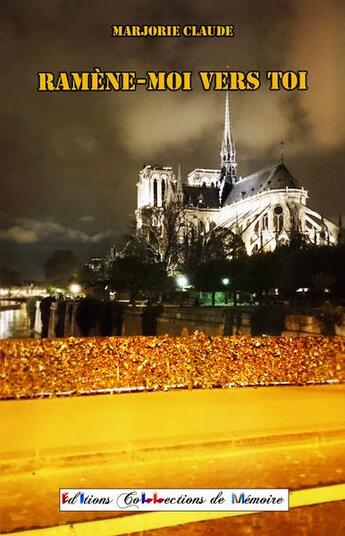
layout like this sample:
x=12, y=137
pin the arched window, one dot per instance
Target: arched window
x=163, y=191
x=278, y=219
x=155, y=193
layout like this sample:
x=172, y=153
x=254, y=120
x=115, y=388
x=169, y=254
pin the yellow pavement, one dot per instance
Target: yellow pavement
x=316, y=469
x=92, y=424
x=140, y=523
x=243, y=437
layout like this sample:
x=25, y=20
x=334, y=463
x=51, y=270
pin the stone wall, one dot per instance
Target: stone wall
x=132, y=324
x=303, y=324
x=187, y=320
x=340, y=327
x=184, y=321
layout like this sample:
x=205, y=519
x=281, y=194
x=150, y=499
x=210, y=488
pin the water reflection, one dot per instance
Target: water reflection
x=14, y=323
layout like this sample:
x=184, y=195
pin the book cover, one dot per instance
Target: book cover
x=172, y=267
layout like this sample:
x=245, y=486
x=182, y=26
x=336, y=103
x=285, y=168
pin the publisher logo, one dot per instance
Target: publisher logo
x=80, y=497
x=146, y=500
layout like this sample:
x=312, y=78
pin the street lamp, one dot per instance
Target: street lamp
x=75, y=289
x=182, y=281
x=226, y=282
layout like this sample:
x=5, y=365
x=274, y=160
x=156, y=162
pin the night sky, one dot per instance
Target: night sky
x=70, y=161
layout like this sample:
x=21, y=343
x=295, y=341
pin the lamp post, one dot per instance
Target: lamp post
x=75, y=289
x=226, y=283
x=182, y=281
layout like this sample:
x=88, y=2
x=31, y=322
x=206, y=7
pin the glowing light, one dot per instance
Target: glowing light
x=75, y=288
x=225, y=281
x=182, y=281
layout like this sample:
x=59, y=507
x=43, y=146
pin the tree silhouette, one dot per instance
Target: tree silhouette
x=162, y=234
x=61, y=267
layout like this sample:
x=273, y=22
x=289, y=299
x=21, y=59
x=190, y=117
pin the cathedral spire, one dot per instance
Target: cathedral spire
x=228, y=171
x=282, y=144
x=228, y=151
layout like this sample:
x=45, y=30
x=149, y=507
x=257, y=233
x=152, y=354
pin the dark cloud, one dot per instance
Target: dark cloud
x=27, y=231
x=68, y=156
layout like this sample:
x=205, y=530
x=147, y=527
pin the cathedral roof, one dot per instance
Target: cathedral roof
x=201, y=196
x=269, y=178
x=273, y=177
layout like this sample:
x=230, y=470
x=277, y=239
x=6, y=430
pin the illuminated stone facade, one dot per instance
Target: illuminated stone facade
x=265, y=208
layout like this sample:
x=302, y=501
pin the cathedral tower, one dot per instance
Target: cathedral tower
x=153, y=185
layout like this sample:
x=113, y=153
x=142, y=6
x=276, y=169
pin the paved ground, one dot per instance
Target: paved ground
x=317, y=520
x=127, y=421
x=296, y=419
x=30, y=499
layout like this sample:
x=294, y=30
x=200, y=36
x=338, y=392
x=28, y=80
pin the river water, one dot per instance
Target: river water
x=14, y=323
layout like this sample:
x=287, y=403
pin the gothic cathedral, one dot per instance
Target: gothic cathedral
x=264, y=209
